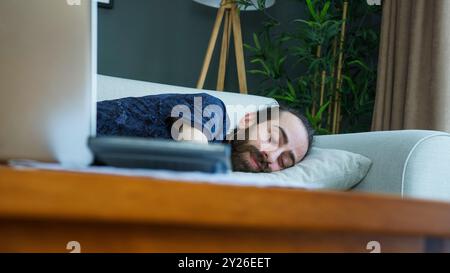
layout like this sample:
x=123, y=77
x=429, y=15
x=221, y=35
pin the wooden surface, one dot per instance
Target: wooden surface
x=32, y=236
x=40, y=210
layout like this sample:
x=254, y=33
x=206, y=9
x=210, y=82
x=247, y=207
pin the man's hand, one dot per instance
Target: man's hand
x=189, y=133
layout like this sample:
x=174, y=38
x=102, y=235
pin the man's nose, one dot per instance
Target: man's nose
x=272, y=155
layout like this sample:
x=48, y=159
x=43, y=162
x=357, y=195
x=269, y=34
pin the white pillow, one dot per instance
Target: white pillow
x=321, y=169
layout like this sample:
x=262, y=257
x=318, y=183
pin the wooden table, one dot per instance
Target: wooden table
x=41, y=211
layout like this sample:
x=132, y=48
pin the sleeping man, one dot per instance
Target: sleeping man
x=269, y=140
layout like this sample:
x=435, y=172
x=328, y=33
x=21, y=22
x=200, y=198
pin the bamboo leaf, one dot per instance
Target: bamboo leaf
x=322, y=109
x=255, y=71
x=312, y=10
x=324, y=11
x=359, y=63
x=291, y=89
x=256, y=40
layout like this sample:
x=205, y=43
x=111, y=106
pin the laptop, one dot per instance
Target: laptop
x=48, y=95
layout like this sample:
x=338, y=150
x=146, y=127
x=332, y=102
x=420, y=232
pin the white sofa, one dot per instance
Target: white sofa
x=406, y=163
x=113, y=88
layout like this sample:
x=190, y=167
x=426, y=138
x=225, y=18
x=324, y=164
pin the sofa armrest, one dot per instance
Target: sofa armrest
x=407, y=163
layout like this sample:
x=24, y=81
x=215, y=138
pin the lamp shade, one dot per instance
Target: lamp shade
x=216, y=4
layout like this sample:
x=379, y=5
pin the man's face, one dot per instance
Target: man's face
x=271, y=145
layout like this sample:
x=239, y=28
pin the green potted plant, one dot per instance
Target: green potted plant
x=326, y=66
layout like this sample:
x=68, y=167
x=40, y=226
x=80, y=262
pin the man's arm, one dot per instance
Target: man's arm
x=189, y=133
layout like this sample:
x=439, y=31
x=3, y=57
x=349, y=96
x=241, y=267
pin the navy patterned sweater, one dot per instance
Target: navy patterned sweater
x=151, y=116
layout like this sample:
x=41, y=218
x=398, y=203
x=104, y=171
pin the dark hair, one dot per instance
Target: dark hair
x=282, y=108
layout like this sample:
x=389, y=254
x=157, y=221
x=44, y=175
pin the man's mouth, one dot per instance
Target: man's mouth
x=256, y=164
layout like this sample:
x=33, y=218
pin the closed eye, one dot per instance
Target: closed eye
x=286, y=160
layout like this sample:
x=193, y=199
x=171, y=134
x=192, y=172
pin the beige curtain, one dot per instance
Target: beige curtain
x=413, y=89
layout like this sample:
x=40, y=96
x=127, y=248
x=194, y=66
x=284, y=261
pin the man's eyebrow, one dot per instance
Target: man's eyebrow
x=284, y=135
x=286, y=140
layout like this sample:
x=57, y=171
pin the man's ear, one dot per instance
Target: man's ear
x=248, y=120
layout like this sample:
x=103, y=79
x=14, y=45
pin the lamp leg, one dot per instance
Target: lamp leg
x=210, y=50
x=224, y=51
x=238, y=45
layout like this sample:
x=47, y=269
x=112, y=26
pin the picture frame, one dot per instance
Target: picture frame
x=106, y=4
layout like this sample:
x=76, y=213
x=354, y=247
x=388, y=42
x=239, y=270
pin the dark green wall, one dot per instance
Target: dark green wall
x=165, y=41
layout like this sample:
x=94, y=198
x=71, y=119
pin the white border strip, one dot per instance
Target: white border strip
x=94, y=44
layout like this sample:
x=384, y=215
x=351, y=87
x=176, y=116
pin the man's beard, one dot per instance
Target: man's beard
x=238, y=149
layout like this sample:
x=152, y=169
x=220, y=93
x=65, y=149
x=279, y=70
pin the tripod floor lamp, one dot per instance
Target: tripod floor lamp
x=228, y=16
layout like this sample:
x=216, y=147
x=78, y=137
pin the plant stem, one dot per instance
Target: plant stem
x=318, y=55
x=336, y=119
x=333, y=76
